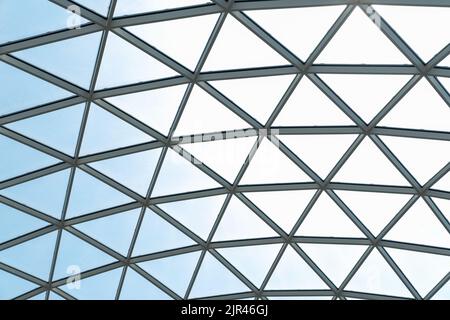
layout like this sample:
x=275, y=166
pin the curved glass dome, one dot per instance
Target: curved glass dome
x=224, y=149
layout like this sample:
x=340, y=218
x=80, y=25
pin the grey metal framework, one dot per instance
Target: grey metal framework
x=418, y=69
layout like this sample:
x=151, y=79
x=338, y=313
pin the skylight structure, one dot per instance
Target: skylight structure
x=224, y=149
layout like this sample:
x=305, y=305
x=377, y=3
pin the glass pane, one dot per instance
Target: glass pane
x=100, y=6
x=16, y=286
x=136, y=287
x=126, y=7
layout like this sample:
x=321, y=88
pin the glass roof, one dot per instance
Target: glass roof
x=224, y=149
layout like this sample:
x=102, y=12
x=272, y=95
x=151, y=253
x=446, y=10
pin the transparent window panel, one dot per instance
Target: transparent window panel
x=136, y=287
x=21, y=90
x=99, y=6
x=16, y=286
x=128, y=7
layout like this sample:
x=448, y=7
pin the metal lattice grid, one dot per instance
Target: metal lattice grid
x=110, y=25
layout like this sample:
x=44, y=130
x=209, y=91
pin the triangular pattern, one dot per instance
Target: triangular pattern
x=45, y=194
x=203, y=114
x=365, y=94
x=423, y=270
x=58, y=129
x=63, y=58
x=374, y=209
x=135, y=171
x=270, y=165
x=373, y=46
x=89, y=194
x=327, y=219
x=320, y=152
x=214, y=279
x=283, y=24
x=189, y=32
x=414, y=152
x=412, y=113
x=283, y=207
x=239, y=222
x=115, y=231
x=335, y=260
x=156, y=108
x=133, y=65
x=253, y=52
x=415, y=25
x=175, y=272
x=21, y=90
x=420, y=225
x=136, y=287
x=104, y=131
x=368, y=164
x=198, y=215
x=293, y=273
x=33, y=257
x=156, y=234
x=376, y=276
x=16, y=286
x=16, y=223
x=308, y=106
x=256, y=96
x=178, y=175
x=254, y=262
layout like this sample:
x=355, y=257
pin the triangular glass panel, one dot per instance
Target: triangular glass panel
x=270, y=165
x=214, y=278
x=253, y=52
x=373, y=46
x=293, y=273
x=16, y=286
x=136, y=287
x=369, y=165
x=39, y=297
x=412, y=113
x=420, y=225
x=444, y=206
x=198, y=215
x=58, y=129
x=55, y=297
x=156, y=108
x=104, y=131
x=90, y=194
x=224, y=156
x=100, y=6
x=169, y=36
x=239, y=222
x=203, y=114
x=423, y=28
x=134, y=171
x=446, y=81
x=76, y=254
x=20, y=159
x=156, y=234
x=21, y=90
x=175, y=272
x=33, y=256
x=257, y=96
x=127, y=7
x=376, y=276
x=178, y=175
x=335, y=260
x=375, y=210
x=16, y=223
x=115, y=231
x=253, y=262
x=308, y=106
x=320, y=152
x=102, y=286
x=124, y=64
x=22, y=20
x=45, y=194
x=443, y=183
x=414, y=153
x=283, y=207
x=366, y=94
x=423, y=270
x=65, y=59
x=445, y=63
x=284, y=24
x=326, y=219
x=443, y=293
